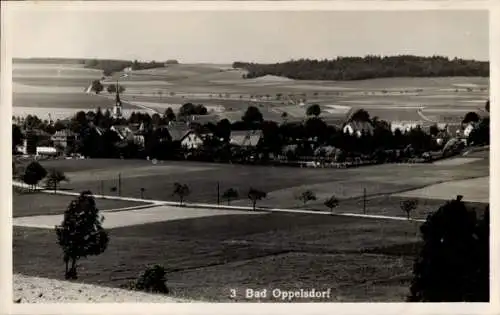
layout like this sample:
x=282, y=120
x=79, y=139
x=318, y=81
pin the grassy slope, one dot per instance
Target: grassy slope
x=280, y=182
x=29, y=204
x=204, y=261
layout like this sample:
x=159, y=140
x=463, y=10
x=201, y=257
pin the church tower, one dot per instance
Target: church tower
x=117, y=109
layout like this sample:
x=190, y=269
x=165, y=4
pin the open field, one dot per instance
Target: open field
x=218, y=85
x=33, y=204
x=131, y=217
x=205, y=257
x=281, y=183
x=476, y=190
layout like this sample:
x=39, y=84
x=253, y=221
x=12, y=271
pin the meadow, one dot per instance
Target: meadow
x=206, y=257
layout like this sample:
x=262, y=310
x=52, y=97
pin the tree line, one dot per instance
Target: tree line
x=368, y=67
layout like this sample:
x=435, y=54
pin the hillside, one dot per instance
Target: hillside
x=369, y=67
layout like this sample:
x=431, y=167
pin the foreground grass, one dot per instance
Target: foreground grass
x=207, y=257
x=37, y=203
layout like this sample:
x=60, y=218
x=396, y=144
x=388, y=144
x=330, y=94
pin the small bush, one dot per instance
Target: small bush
x=152, y=279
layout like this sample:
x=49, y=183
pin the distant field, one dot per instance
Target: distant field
x=196, y=82
x=206, y=257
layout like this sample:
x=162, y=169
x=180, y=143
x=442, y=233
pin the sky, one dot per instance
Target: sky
x=225, y=37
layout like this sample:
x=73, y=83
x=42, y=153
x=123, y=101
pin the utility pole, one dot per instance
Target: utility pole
x=119, y=184
x=364, y=200
x=218, y=193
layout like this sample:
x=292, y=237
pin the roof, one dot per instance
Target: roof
x=177, y=132
x=64, y=133
x=245, y=137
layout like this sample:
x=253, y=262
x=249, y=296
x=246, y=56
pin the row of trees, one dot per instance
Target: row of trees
x=359, y=68
x=34, y=173
x=111, y=66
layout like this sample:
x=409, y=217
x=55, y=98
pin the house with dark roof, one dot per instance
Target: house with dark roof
x=64, y=138
x=134, y=133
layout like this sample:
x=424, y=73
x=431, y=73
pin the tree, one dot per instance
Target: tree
x=33, y=174
x=433, y=130
x=252, y=115
x=229, y=194
x=97, y=86
x=313, y=110
x=453, y=262
x=17, y=137
x=306, y=196
x=169, y=114
x=471, y=117
x=81, y=233
x=331, y=203
x=360, y=115
x=153, y=280
x=254, y=195
x=111, y=88
x=408, y=206
x=182, y=191
x=54, y=177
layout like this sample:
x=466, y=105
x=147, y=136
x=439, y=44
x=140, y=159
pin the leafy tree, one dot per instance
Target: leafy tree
x=223, y=129
x=111, y=88
x=81, y=233
x=252, y=115
x=433, y=130
x=453, y=263
x=254, y=195
x=153, y=280
x=97, y=86
x=33, y=174
x=307, y=196
x=313, y=110
x=331, y=203
x=169, y=114
x=182, y=191
x=17, y=137
x=229, y=194
x=54, y=177
x=408, y=206
x=360, y=115
x=471, y=117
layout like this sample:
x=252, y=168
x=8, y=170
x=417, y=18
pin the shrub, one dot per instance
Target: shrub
x=153, y=279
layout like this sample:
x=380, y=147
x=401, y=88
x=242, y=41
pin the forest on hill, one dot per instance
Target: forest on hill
x=368, y=67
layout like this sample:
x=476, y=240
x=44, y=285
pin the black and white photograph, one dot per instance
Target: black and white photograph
x=248, y=156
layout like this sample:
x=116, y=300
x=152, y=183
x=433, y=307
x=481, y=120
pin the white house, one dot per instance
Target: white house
x=193, y=140
x=46, y=151
x=358, y=127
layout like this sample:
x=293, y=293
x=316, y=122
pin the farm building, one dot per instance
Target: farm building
x=358, y=128
x=64, y=138
x=194, y=139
